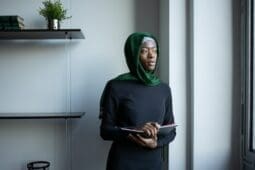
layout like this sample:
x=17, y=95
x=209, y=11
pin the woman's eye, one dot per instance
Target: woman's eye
x=143, y=51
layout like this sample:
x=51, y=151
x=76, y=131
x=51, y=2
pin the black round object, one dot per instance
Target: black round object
x=38, y=165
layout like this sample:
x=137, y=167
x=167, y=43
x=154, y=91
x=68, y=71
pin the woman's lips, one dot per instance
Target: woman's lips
x=151, y=63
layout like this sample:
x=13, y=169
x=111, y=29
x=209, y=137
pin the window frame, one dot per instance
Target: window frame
x=247, y=40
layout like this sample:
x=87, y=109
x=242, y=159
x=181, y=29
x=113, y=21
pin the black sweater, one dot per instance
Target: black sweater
x=132, y=104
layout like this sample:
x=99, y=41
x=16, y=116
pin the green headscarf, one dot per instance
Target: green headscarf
x=137, y=72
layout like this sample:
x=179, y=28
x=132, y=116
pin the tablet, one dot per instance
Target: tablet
x=165, y=129
x=132, y=131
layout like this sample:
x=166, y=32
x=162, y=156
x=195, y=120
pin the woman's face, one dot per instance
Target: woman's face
x=148, y=55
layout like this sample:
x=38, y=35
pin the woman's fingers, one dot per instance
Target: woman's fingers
x=150, y=128
x=148, y=142
x=155, y=124
x=136, y=140
x=145, y=142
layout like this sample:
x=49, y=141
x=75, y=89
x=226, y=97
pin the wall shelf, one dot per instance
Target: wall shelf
x=41, y=34
x=48, y=115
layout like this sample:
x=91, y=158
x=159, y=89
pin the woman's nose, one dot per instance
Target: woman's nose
x=151, y=54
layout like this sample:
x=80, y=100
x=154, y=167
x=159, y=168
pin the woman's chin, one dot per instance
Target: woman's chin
x=150, y=68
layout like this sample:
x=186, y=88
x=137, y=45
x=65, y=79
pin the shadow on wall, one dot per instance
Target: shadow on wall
x=236, y=83
x=147, y=16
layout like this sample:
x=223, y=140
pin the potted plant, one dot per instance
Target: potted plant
x=53, y=11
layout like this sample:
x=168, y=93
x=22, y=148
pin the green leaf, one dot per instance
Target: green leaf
x=53, y=10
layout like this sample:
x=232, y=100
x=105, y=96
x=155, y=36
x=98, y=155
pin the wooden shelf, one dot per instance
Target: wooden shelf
x=41, y=34
x=48, y=115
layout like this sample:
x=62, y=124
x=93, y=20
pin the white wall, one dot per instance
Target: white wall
x=178, y=81
x=216, y=85
x=35, y=78
x=173, y=70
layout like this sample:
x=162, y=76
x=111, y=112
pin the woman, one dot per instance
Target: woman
x=137, y=99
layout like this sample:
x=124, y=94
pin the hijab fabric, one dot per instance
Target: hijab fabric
x=132, y=50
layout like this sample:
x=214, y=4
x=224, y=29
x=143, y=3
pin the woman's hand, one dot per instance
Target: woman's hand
x=150, y=139
x=150, y=129
x=145, y=142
